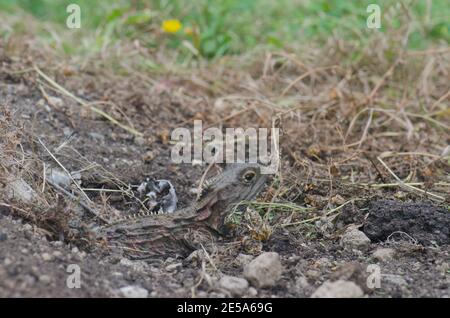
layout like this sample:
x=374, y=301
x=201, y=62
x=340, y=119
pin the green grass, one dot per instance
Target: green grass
x=234, y=26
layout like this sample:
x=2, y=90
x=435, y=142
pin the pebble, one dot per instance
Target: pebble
x=3, y=237
x=312, y=274
x=46, y=257
x=45, y=279
x=234, y=285
x=138, y=266
x=301, y=282
x=19, y=190
x=134, y=292
x=338, y=289
x=252, y=292
x=384, y=254
x=55, y=101
x=96, y=136
x=394, y=280
x=140, y=141
x=57, y=244
x=59, y=177
x=243, y=259
x=173, y=267
x=265, y=270
x=354, y=239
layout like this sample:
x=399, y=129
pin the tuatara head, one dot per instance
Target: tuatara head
x=238, y=182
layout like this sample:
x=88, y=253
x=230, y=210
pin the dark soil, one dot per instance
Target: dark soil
x=421, y=221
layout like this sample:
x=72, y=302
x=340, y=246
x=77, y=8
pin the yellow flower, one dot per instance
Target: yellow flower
x=171, y=26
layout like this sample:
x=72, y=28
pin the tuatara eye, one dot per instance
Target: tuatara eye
x=249, y=176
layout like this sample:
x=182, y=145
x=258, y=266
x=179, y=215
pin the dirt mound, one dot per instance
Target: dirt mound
x=420, y=221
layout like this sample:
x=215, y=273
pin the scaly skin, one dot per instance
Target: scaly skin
x=148, y=236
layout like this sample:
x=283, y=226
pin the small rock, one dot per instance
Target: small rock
x=59, y=177
x=194, y=191
x=235, y=285
x=188, y=281
x=96, y=136
x=46, y=257
x=55, y=101
x=384, y=254
x=3, y=237
x=18, y=189
x=57, y=254
x=323, y=262
x=28, y=280
x=27, y=227
x=394, y=280
x=42, y=103
x=202, y=294
x=312, y=274
x=301, y=282
x=443, y=268
x=67, y=132
x=355, y=272
x=243, y=259
x=138, y=266
x=140, y=141
x=265, y=270
x=117, y=274
x=355, y=239
x=28, y=235
x=300, y=287
x=252, y=292
x=173, y=267
x=338, y=289
x=45, y=279
x=216, y=295
x=134, y=292
x=57, y=243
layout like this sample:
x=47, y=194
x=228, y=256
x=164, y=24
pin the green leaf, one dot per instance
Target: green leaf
x=139, y=18
x=115, y=14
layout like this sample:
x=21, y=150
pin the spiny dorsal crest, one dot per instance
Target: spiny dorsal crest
x=136, y=216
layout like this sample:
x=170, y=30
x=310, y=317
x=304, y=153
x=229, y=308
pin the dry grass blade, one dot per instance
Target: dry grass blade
x=305, y=75
x=409, y=187
x=87, y=105
x=64, y=169
x=330, y=212
x=74, y=198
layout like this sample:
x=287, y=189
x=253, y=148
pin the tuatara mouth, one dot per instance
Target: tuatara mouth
x=206, y=211
x=213, y=213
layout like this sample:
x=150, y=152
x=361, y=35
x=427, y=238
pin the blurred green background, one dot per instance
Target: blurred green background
x=216, y=28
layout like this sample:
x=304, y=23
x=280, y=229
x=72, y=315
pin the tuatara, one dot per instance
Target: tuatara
x=146, y=236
